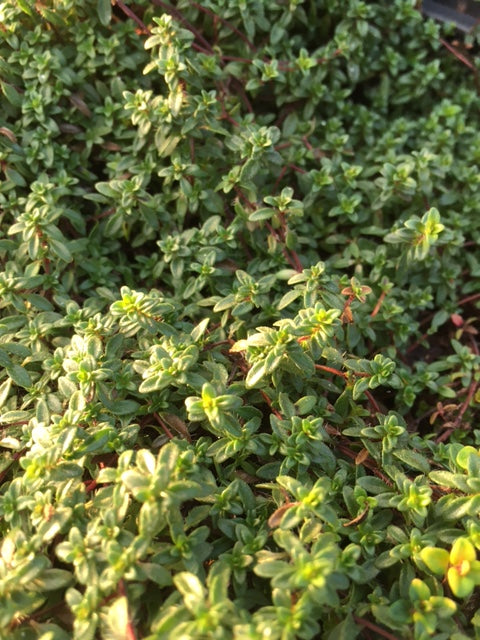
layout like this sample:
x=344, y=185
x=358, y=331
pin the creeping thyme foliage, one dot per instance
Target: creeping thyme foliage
x=238, y=314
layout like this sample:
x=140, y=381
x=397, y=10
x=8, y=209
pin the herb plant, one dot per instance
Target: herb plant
x=239, y=295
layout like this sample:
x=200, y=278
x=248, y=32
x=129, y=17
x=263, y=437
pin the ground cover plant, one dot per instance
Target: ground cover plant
x=239, y=309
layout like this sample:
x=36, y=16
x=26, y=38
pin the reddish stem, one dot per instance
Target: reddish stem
x=226, y=24
x=368, y=463
x=472, y=298
x=244, y=99
x=290, y=256
x=14, y=424
x=280, y=176
x=413, y=346
x=296, y=261
x=104, y=214
x=200, y=49
x=129, y=629
x=167, y=431
x=235, y=59
x=465, y=405
x=15, y=457
x=335, y=372
x=295, y=168
x=225, y=115
x=457, y=54
x=276, y=413
x=177, y=14
x=373, y=402
x=90, y=485
x=376, y=309
x=373, y=627
x=212, y=345
x=128, y=12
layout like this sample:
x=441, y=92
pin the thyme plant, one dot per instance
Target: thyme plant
x=239, y=295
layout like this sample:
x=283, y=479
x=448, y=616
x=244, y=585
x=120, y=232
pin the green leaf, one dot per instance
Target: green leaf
x=12, y=96
x=124, y=407
x=461, y=586
x=436, y=559
x=413, y=459
x=261, y=214
x=156, y=382
x=359, y=388
x=168, y=146
x=451, y=507
x=14, y=416
x=32, y=569
x=137, y=483
x=345, y=630
x=449, y=479
x=15, y=177
x=255, y=373
x=105, y=188
x=373, y=485
x=443, y=607
x=288, y=298
x=51, y=527
x=116, y=620
x=16, y=349
x=5, y=391
x=156, y=573
x=192, y=590
x=418, y=590
x=51, y=16
x=167, y=459
x=66, y=387
x=199, y=331
x=306, y=404
x=60, y=250
x=26, y=7
x=5, y=361
x=104, y=11
x=52, y=579
x=19, y=375
x=218, y=582
x=270, y=568
x=146, y=461
x=462, y=549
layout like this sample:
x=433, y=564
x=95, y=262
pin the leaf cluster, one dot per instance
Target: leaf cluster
x=239, y=373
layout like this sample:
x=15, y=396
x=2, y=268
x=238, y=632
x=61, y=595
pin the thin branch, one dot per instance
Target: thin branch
x=335, y=372
x=466, y=403
x=166, y=430
x=226, y=23
x=129, y=629
x=297, y=265
x=295, y=168
x=458, y=54
x=178, y=16
x=128, y=12
x=373, y=402
x=472, y=298
x=373, y=627
x=380, y=300
x=276, y=413
x=15, y=457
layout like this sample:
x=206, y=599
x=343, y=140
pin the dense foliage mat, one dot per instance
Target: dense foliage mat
x=239, y=308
